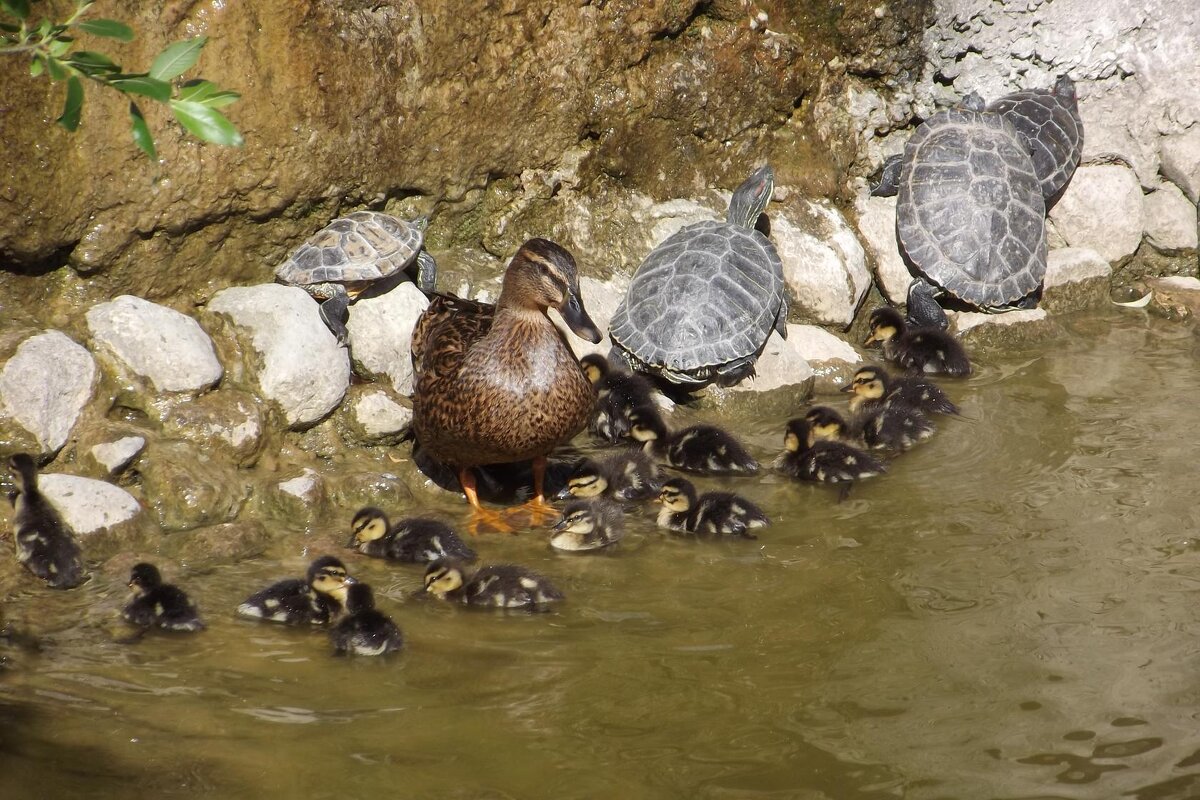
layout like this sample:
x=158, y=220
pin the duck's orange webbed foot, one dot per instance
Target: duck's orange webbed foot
x=483, y=520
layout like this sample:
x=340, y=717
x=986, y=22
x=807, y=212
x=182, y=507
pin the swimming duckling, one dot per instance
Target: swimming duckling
x=159, y=605
x=828, y=423
x=895, y=425
x=412, y=539
x=871, y=386
x=497, y=586
x=588, y=525
x=926, y=350
x=316, y=599
x=46, y=545
x=618, y=392
x=807, y=458
x=715, y=513
x=364, y=631
x=699, y=448
x=627, y=476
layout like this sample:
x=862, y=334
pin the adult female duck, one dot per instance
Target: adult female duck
x=496, y=384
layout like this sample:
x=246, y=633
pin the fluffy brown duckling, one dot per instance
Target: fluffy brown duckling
x=811, y=459
x=46, y=545
x=626, y=476
x=364, y=630
x=588, y=525
x=495, y=586
x=316, y=599
x=892, y=425
x=704, y=449
x=872, y=385
x=156, y=604
x=417, y=540
x=926, y=350
x=710, y=513
x=618, y=392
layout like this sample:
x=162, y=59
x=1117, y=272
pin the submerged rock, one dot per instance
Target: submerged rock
x=228, y=542
x=979, y=330
x=381, y=335
x=1076, y=278
x=228, y=420
x=188, y=489
x=824, y=265
x=45, y=387
x=1177, y=297
x=298, y=501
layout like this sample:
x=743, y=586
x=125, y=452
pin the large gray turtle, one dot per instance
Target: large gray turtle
x=1048, y=120
x=701, y=306
x=342, y=259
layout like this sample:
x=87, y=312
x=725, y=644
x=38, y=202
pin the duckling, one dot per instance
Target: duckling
x=413, y=539
x=807, y=458
x=626, y=476
x=699, y=448
x=715, y=513
x=588, y=525
x=895, y=425
x=926, y=350
x=498, y=384
x=157, y=604
x=871, y=386
x=316, y=599
x=828, y=423
x=617, y=393
x=497, y=586
x=364, y=631
x=46, y=545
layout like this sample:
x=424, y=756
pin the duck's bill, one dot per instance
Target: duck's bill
x=577, y=318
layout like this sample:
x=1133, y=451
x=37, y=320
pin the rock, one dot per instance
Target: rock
x=301, y=367
x=298, y=501
x=45, y=386
x=877, y=224
x=88, y=505
x=354, y=490
x=824, y=266
x=155, y=342
x=227, y=420
x=114, y=457
x=228, y=542
x=1170, y=219
x=601, y=299
x=1101, y=209
x=656, y=222
x=781, y=365
x=188, y=489
x=381, y=335
x=978, y=330
x=1076, y=278
x=371, y=416
x=1180, y=155
x=1176, y=297
x=833, y=359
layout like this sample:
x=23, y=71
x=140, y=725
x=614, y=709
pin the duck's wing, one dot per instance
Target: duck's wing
x=444, y=332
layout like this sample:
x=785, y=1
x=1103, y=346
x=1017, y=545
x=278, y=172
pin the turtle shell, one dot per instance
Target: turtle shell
x=969, y=212
x=361, y=247
x=702, y=304
x=1048, y=120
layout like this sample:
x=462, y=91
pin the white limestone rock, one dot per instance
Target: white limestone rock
x=1076, y=278
x=658, y=221
x=877, y=224
x=1180, y=154
x=824, y=266
x=301, y=367
x=379, y=416
x=1170, y=219
x=781, y=364
x=306, y=486
x=832, y=358
x=86, y=504
x=155, y=342
x=45, y=386
x=114, y=457
x=1101, y=209
x=381, y=335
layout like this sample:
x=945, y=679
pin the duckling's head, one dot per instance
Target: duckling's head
x=578, y=517
x=798, y=435
x=825, y=422
x=646, y=424
x=587, y=480
x=677, y=494
x=595, y=367
x=26, y=469
x=543, y=275
x=869, y=383
x=443, y=577
x=368, y=525
x=144, y=577
x=359, y=597
x=328, y=576
x=886, y=324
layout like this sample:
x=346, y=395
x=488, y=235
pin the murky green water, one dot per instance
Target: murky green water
x=1010, y=613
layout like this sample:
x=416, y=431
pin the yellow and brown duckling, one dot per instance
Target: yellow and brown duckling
x=417, y=540
x=588, y=525
x=156, y=604
x=626, y=477
x=811, y=459
x=495, y=586
x=705, y=449
x=872, y=385
x=892, y=425
x=710, y=513
x=618, y=392
x=828, y=423
x=498, y=384
x=46, y=545
x=364, y=630
x=316, y=599
x=926, y=350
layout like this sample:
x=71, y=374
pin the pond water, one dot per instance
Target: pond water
x=1009, y=613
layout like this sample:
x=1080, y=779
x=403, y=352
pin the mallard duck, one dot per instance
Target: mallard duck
x=496, y=384
x=811, y=459
x=918, y=349
x=588, y=525
x=626, y=476
x=496, y=586
x=872, y=385
x=700, y=448
x=712, y=513
x=412, y=539
x=316, y=599
x=46, y=545
x=364, y=630
x=618, y=392
x=158, y=605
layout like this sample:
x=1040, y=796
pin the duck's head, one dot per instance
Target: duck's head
x=595, y=367
x=886, y=324
x=825, y=422
x=359, y=597
x=328, y=576
x=677, y=495
x=543, y=275
x=443, y=577
x=582, y=527
x=869, y=383
x=144, y=577
x=646, y=424
x=586, y=480
x=368, y=525
x=798, y=435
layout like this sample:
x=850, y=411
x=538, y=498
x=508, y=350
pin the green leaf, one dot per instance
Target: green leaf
x=55, y=68
x=90, y=63
x=16, y=8
x=208, y=93
x=59, y=47
x=141, y=132
x=143, y=85
x=206, y=123
x=74, y=104
x=177, y=58
x=109, y=28
x=37, y=66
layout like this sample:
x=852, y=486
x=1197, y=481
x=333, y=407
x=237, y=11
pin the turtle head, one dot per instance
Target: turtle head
x=543, y=275
x=750, y=199
x=1064, y=89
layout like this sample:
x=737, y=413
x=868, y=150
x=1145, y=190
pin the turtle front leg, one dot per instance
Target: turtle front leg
x=335, y=312
x=426, y=271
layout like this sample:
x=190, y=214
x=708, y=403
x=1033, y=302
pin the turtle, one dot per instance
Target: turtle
x=1048, y=120
x=346, y=256
x=701, y=306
